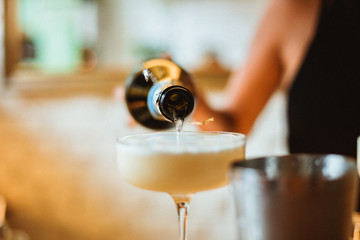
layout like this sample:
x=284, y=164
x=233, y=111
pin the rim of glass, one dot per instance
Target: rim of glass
x=348, y=161
x=124, y=139
x=297, y=157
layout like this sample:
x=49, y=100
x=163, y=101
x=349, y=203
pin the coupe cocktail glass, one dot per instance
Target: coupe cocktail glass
x=179, y=164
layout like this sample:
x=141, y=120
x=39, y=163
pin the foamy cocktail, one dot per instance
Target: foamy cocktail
x=180, y=164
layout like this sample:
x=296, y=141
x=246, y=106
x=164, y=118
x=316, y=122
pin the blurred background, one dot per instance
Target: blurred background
x=63, y=65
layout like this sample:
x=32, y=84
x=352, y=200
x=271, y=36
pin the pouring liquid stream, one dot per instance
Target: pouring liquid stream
x=179, y=124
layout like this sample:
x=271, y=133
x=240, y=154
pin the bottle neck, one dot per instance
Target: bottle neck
x=170, y=102
x=176, y=103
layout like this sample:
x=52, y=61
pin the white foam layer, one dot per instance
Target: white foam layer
x=186, y=142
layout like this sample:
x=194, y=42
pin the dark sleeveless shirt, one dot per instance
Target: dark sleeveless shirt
x=324, y=100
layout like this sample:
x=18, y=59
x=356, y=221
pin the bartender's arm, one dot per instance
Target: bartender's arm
x=272, y=54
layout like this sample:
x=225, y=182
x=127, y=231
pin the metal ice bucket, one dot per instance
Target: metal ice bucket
x=294, y=197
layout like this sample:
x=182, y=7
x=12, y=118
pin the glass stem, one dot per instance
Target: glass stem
x=182, y=204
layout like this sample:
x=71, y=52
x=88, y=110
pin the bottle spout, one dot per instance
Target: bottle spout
x=176, y=103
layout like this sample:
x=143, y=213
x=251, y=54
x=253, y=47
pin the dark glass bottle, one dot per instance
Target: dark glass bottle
x=159, y=94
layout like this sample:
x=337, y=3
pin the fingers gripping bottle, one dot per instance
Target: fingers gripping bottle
x=159, y=94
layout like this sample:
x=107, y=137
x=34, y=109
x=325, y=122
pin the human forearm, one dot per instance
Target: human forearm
x=223, y=121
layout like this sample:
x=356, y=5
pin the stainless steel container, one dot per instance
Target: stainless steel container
x=295, y=197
